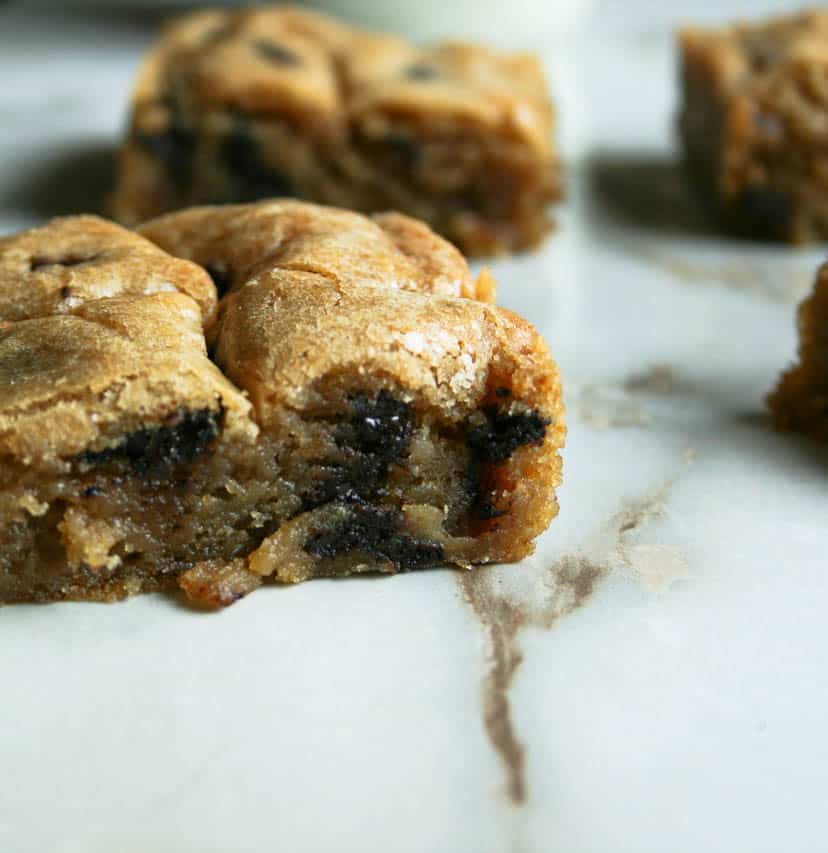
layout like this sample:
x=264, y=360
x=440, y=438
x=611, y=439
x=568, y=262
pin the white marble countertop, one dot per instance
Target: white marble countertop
x=651, y=680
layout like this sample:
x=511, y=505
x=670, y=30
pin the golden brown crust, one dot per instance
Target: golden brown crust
x=100, y=333
x=78, y=382
x=390, y=250
x=73, y=260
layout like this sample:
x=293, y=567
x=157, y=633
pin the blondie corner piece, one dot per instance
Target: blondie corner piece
x=364, y=407
x=753, y=124
x=234, y=106
x=800, y=401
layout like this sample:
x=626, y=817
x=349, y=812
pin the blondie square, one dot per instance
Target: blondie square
x=754, y=124
x=234, y=106
x=341, y=397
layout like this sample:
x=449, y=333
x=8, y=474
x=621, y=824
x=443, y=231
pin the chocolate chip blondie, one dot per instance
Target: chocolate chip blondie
x=754, y=124
x=363, y=407
x=234, y=106
x=800, y=401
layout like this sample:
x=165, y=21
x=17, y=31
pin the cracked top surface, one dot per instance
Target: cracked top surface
x=321, y=72
x=387, y=250
x=317, y=292
x=60, y=266
x=100, y=333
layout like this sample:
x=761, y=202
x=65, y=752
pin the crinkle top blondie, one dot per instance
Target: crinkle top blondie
x=754, y=123
x=234, y=106
x=363, y=407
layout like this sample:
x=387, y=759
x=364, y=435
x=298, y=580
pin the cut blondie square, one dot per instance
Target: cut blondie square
x=234, y=106
x=363, y=408
x=754, y=124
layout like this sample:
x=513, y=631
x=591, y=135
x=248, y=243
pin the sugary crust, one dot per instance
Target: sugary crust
x=389, y=250
x=73, y=260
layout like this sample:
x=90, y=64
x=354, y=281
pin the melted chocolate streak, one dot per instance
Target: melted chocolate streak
x=157, y=450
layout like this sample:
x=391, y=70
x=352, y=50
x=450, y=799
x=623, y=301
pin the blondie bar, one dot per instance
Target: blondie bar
x=363, y=406
x=754, y=124
x=234, y=106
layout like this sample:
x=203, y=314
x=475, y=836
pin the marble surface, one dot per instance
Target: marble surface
x=651, y=679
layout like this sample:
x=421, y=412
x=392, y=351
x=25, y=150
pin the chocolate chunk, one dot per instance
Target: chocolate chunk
x=174, y=148
x=485, y=510
x=503, y=433
x=242, y=157
x=276, y=53
x=221, y=276
x=404, y=149
x=421, y=71
x=382, y=426
x=155, y=451
x=377, y=433
x=492, y=443
x=764, y=212
x=374, y=531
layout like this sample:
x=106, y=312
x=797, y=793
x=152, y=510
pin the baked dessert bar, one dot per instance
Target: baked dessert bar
x=754, y=124
x=800, y=401
x=363, y=408
x=234, y=106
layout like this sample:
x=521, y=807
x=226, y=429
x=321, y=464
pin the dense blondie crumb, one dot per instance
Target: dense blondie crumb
x=800, y=401
x=753, y=124
x=245, y=105
x=362, y=410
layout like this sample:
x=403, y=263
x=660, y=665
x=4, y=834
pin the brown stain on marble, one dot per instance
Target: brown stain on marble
x=659, y=380
x=628, y=402
x=567, y=585
x=502, y=620
x=606, y=406
x=553, y=591
x=638, y=512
